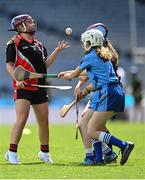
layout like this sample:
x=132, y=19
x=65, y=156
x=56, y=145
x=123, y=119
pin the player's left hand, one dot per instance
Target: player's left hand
x=77, y=92
x=62, y=45
x=20, y=84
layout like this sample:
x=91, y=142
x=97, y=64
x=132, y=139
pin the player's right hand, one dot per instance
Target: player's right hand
x=65, y=76
x=20, y=84
x=62, y=45
x=61, y=74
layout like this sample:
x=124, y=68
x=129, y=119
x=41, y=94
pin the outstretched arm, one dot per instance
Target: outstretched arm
x=71, y=75
x=61, y=45
x=82, y=75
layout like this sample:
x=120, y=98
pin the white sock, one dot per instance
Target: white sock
x=101, y=136
x=12, y=153
x=89, y=151
x=105, y=148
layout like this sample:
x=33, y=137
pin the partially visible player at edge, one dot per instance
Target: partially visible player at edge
x=108, y=97
x=25, y=50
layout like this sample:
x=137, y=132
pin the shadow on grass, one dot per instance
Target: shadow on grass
x=69, y=164
x=38, y=163
x=8, y=164
x=81, y=165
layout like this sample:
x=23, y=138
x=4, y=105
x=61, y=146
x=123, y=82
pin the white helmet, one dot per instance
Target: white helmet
x=93, y=37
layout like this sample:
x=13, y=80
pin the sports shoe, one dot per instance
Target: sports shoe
x=12, y=157
x=111, y=159
x=45, y=157
x=126, y=152
x=88, y=162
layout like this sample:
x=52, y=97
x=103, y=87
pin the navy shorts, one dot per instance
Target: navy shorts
x=109, y=98
x=35, y=97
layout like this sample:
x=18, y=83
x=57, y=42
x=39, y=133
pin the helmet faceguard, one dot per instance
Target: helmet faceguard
x=20, y=20
x=92, y=38
x=101, y=27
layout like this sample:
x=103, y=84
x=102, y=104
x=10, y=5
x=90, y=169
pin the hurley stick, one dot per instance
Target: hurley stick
x=22, y=74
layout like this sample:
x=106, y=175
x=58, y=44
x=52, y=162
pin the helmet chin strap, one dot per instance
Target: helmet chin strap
x=87, y=48
x=25, y=30
x=31, y=33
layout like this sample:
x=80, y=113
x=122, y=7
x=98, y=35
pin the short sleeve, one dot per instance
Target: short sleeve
x=85, y=63
x=10, y=53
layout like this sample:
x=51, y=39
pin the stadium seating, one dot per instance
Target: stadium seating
x=56, y=15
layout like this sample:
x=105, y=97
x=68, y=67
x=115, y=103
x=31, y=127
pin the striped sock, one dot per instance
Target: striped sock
x=89, y=151
x=90, y=156
x=13, y=147
x=109, y=145
x=98, y=150
x=109, y=139
x=44, y=148
x=106, y=150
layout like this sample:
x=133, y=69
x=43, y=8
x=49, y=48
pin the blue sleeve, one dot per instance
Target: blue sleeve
x=85, y=63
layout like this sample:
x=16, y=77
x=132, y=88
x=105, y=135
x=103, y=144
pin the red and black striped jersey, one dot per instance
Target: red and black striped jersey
x=29, y=54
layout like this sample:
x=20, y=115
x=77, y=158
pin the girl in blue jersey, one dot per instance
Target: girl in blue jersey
x=108, y=95
x=109, y=155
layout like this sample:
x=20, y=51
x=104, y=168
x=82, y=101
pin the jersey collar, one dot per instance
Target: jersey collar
x=29, y=41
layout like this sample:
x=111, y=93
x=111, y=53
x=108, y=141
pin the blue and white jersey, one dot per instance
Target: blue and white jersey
x=99, y=72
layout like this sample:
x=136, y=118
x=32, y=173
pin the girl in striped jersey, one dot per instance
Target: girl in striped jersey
x=25, y=50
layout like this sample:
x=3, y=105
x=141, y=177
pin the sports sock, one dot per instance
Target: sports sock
x=109, y=139
x=89, y=151
x=13, y=147
x=106, y=150
x=109, y=145
x=89, y=154
x=98, y=150
x=44, y=148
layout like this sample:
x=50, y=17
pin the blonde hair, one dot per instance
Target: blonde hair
x=107, y=52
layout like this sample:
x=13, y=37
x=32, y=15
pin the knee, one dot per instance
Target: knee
x=82, y=124
x=43, y=123
x=21, y=121
x=93, y=132
x=90, y=132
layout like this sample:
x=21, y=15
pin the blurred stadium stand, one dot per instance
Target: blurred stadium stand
x=54, y=16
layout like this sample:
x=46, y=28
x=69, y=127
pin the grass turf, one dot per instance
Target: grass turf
x=67, y=153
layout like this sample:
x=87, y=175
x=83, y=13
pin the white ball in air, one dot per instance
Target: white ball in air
x=68, y=31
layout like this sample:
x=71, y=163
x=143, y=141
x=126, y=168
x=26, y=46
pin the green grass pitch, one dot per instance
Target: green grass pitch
x=67, y=153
